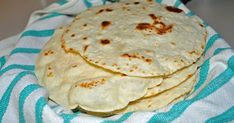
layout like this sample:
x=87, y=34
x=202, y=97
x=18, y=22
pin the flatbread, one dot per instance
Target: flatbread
x=161, y=100
x=171, y=96
x=136, y=38
x=175, y=79
x=72, y=82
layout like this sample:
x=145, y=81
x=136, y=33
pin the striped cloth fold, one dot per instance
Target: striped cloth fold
x=23, y=100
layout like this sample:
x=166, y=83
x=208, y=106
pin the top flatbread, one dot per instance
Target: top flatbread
x=136, y=38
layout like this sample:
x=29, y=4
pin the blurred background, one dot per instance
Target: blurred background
x=219, y=14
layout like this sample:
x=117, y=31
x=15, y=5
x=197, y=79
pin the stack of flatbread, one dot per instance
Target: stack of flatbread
x=122, y=57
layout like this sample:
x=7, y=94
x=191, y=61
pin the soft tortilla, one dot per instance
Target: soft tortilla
x=175, y=79
x=136, y=38
x=162, y=99
x=156, y=102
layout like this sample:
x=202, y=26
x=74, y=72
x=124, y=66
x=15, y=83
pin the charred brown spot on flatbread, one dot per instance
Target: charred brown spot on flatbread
x=66, y=31
x=50, y=71
x=84, y=38
x=106, y=10
x=123, y=75
x=164, y=30
x=201, y=25
x=173, y=9
x=144, y=26
x=72, y=51
x=136, y=56
x=49, y=52
x=73, y=35
x=131, y=70
x=104, y=41
x=173, y=43
x=75, y=65
x=85, y=47
x=194, y=52
x=49, y=68
x=136, y=3
x=202, y=46
x=157, y=26
x=114, y=64
x=50, y=74
x=129, y=55
x=91, y=84
x=154, y=17
x=149, y=105
x=62, y=46
x=181, y=60
x=100, y=11
x=45, y=54
x=148, y=60
x=105, y=24
x=190, y=75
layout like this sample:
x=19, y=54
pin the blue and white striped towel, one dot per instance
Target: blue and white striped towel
x=23, y=100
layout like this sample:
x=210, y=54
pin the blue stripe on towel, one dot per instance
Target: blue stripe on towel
x=190, y=13
x=204, y=69
x=177, y=3
x=2, y=61
x=6, y=96
x=40, y=104
x=62, y=2
x=211, y=41
x=51, y=15
x=25, y=50
x=158, y=1
x=38, y=33
x=218, y=50
x=22, y=97
x=68, y=117
x=16, y=66
x=87, y=3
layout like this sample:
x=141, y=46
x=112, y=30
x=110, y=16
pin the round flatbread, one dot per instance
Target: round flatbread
x=175, y=79
x=156, y=102
x=136, y=38
x=161, y=100
x=72, y=82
